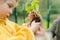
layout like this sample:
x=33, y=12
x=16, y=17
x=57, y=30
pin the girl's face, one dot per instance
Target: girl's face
x=6, y=8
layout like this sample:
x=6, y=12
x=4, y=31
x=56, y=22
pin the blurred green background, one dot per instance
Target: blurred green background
x=49, y=9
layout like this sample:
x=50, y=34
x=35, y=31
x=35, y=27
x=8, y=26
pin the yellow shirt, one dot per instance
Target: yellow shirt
x=11, y=31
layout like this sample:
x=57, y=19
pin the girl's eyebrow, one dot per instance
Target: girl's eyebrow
x=13, y=3
x=10, y=4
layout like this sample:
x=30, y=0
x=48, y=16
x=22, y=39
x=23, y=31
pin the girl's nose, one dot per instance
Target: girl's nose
x=10, y=11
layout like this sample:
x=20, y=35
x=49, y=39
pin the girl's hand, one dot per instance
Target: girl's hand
x=41, y=32
x=35, y=26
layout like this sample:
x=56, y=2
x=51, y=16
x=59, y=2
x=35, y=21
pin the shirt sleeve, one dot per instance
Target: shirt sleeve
x=52, y=30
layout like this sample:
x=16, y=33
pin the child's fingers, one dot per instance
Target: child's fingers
x=42, y=29
x=40, y=33
x=35, y=23
x=35, y=26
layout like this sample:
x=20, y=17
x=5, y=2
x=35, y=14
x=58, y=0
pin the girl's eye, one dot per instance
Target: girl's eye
x=10, y=5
